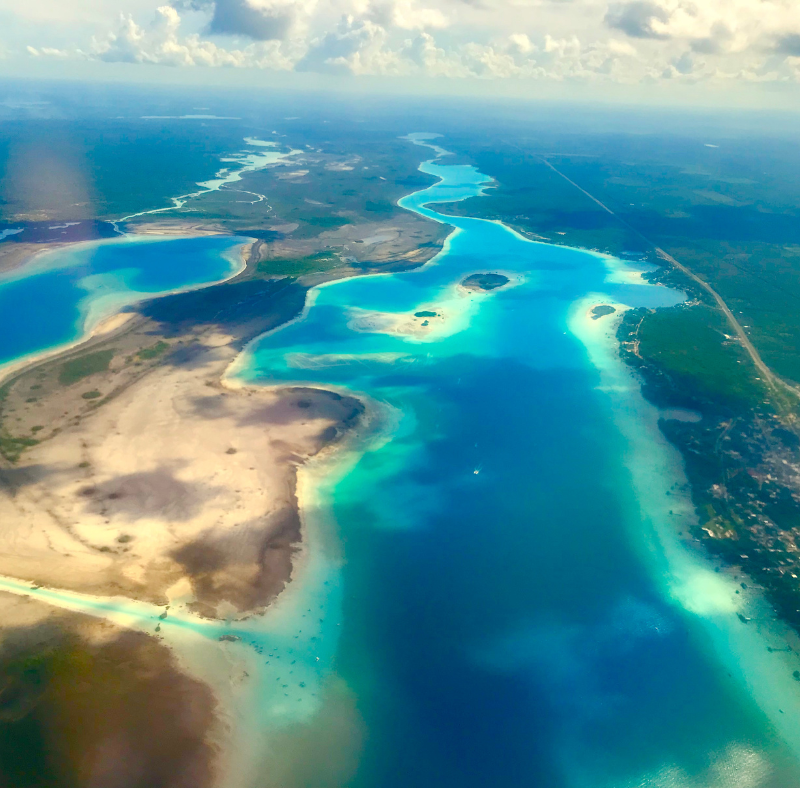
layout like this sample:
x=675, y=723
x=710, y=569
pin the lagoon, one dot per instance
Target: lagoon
x=497, y=587
x=521, y=603
x=65, y=293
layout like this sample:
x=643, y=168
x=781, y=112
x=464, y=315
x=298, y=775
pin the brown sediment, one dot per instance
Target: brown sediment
x=85, y=704
x=149, y=471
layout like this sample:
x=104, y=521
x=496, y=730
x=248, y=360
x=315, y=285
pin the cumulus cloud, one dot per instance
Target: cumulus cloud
x=354, y=47
x=258, y=20
x=521, y=42
x=789, y=44
x=160, y=43
x=639, y=19
x=403, y=14
x=239, y=17
x=624, y=41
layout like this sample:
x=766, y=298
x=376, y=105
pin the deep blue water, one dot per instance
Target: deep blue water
x=48, y=306
x=510, y=627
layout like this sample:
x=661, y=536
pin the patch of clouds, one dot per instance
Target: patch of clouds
x=403, y=14
x=258, y=20
x=160, y=43
x=46, y=52
x=624, y=41
x=639, y=19
x=789, y=44
x=521, y=43
x=239, y=17
x=356, y=46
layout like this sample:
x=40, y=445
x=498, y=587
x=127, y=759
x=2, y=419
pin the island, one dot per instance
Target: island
x=602, y=310
x=485, y=282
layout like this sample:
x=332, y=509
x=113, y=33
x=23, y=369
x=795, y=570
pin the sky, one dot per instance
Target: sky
x=734, y=48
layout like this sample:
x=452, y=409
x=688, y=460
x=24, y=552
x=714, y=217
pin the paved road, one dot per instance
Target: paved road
x=769, y=377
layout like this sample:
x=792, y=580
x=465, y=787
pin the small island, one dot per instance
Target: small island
x=485, y=282
x=602, y=310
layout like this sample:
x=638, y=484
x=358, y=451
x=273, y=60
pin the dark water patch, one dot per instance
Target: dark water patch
x=268, y=303
x=58, y=232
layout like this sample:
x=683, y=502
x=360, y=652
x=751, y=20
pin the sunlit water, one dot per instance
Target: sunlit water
x=66, y=292
x=525, y=624
x=494, y=590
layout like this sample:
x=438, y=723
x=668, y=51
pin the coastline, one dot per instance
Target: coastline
x=763, y=653
x=97, y=317
x=238, y=671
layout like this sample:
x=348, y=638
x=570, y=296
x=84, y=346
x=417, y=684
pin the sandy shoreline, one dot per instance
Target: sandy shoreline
x=108, y=319
x=755, y=652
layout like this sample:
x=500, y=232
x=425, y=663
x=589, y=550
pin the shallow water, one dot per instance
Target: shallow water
x=493, y=590
x=525, y=624
x=66, y=292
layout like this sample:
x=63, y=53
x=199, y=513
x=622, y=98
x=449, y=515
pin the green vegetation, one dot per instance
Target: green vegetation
x=298, y=266
x=154, y=351
x=602, y=310
x=94, y=394
x=693, y=347
x=485, y=281
x=536, y=201
x=359, y=178
x=78, y=368
x=11, y=448
x=731, y=216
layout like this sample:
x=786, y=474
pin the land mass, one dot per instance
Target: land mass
x=130, y=466
x=484, y=282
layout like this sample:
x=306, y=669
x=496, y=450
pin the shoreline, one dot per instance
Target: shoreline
x=93, y=323
x=705, y=590
x=236, y=672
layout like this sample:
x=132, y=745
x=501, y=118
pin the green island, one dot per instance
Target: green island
x=602, y=310
x=485, y=282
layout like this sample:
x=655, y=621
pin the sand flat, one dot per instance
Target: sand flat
x=176, y=478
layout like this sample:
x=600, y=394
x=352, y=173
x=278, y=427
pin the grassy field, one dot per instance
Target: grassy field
x=81, y=367
x=694, y=347
x=298, y=266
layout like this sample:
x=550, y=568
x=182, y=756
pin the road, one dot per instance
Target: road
x=768, y=376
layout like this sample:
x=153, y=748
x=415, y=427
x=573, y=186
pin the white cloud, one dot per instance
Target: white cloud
x=521, y=42
x=624, y=41
x=160, y=43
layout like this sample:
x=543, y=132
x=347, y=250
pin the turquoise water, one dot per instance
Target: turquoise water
x=514, y=626
x=66, y=291
x=493, y=590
